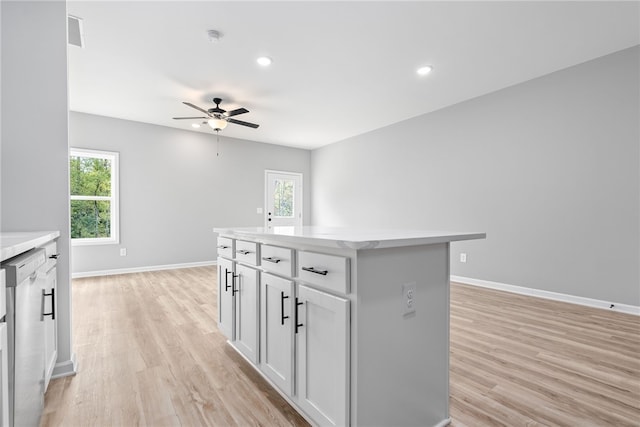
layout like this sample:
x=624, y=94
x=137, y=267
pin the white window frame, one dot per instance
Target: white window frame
x=114, y=157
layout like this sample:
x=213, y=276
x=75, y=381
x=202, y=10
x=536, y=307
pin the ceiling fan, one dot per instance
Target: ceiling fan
x=218, y=118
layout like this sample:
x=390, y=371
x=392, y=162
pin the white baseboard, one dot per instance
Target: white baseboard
x=66, y=368
x=607, y=305
x=81, y=274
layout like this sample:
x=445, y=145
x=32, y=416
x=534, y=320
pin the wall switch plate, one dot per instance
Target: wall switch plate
x=123, y=251
x=463, y=257
x=259, y=211
x=408, y=298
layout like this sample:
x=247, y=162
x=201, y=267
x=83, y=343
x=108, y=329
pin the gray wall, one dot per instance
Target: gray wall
x=35, y=173
x=174, y=189
x=548, y=168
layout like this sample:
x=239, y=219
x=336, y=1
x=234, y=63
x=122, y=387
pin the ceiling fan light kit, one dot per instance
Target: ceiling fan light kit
x=217, y=117
x=217, y=124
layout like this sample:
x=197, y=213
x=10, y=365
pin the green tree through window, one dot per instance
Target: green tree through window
x=283, y=198
x=93, y=196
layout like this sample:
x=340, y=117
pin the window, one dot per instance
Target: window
x=283, y=198
x=94, y=196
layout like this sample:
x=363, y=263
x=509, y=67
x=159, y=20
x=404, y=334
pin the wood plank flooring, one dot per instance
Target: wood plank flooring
x=523, y=361
x=149, y=354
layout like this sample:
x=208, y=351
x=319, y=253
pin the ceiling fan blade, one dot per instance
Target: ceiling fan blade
x=240, y=122
x=189, y=118
x=196, y=107
x=236, y=112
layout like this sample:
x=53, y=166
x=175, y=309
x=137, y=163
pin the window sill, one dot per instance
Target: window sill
x=94, y=242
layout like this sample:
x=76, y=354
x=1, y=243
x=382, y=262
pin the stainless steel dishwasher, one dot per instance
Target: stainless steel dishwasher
x=25, y=333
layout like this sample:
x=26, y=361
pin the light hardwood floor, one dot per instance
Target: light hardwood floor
x=149, y=353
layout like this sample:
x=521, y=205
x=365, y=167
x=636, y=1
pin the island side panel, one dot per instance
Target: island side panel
x=401, y=375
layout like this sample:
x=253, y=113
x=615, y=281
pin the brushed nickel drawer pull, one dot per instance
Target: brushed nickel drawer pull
x=272, y=259
x=244, y=252
x=313, y=270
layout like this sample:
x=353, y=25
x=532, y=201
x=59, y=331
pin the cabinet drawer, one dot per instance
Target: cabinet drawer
x=277, y=260
x=326, y=271
x=225, y=247
x=247, y=252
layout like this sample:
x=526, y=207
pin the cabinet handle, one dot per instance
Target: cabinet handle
x=226, y=279
x=282, y=316
x=54, y=256
x=53, y=304
x=223, y=247
x=233, y=284
x=244, y=252
x=272, y=259
x=296, y=315
x=313, y=270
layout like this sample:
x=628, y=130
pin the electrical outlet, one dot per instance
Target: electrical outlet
x=408, y=298
x=463, y=257
x=123, y=251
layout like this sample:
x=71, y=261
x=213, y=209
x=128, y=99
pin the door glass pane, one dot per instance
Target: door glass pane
x=283, y=198
x=90, y=219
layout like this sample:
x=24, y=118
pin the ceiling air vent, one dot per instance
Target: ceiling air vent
x=75, y=31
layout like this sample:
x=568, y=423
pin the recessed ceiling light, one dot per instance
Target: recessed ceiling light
x=423, y=71
x=195, y=125
x=265, y=61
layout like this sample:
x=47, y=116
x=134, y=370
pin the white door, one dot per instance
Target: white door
x=226, y=299
x=276, y=337
x=283, y=199
x=323, y=356
x=247, y=309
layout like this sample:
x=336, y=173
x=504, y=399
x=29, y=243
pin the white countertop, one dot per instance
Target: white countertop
x=17, y=242
x=351, y=238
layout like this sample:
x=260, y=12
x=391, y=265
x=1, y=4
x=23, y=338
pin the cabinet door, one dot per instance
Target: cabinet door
x=226, y=299
x=323, y=356
x=276, y=334
x=50, y=325
x=247, y=311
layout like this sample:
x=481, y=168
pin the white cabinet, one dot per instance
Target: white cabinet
x=225, y=247
x=238, y=306
x=226, y=300
x=247, y=252
x=50, y=324
x=357, y=357
x=247, y=293
x=323, y=356
x=328, y=272
x=296, y=335
x=278, y=260
x=277, y=300
x=48, y=276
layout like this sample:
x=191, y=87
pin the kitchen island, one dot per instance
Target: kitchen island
x=350, y=326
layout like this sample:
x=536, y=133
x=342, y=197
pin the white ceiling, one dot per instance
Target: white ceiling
x=339, y=68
